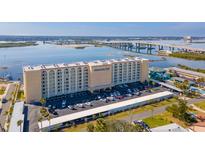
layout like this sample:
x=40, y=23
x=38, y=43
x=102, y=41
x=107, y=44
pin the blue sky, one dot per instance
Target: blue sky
x=104, y=29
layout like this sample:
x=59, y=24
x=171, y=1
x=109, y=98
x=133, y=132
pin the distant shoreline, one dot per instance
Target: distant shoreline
x=189, y=56
x=17, y=44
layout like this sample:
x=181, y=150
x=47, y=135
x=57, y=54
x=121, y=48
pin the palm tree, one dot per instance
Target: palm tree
x=19, y=123
x=40, y=119
x=42, y=101
x=6, y=113
x=9, y=112
x=90, y=127
x=2, y=128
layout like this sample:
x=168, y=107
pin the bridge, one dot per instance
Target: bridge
x=137, y=46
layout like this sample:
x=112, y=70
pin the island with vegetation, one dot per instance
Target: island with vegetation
x=17, y=44
x=191, y=69
x=76, y=46
x=188, y=55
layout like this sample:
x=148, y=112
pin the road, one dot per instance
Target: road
x=157, y=111
x=32, y=113
x=6, y=106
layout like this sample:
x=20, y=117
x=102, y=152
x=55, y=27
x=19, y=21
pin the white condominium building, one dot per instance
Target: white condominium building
x=46, y=81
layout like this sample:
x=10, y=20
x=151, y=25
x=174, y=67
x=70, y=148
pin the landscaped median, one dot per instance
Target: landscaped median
x=124, y=115
x=11, y=106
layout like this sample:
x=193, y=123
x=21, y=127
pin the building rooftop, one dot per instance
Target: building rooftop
x=92, y=63
x=182, y=80
x=157, y=69
x=16, y=116
x=101, y=109
x=169, y=128
x=167, y=85
x=188, y=72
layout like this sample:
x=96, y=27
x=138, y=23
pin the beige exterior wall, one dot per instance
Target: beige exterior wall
x=100, y=77
x=144, y=70
x=32, y=85
x=55, y=80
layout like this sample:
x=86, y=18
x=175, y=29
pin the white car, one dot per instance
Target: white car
x=81, y=105
x=49, y=106
x=63, y=104
x=128, y=95
x=99, y=97
x=88, y=104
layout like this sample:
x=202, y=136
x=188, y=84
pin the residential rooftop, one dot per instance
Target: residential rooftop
x=169, y=128
x=167, y=85
x=82, y=63
x=188, y=72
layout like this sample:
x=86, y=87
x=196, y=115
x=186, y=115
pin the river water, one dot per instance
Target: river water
x=15, y=58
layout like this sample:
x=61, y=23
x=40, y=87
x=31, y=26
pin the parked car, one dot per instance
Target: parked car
x=80, y=105
x=49, y=106
x=119, y=97
x=52, y=111
x=64, y=104
x=99, y=97
x=128, y=95
x=88, y=104
x=71, y=107
x=110, y=98
x=4, y=100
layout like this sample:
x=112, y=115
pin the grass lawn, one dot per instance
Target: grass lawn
x=123, y=115
x=2, y=91
x=201, y=105
x=20, y=95
x=164, y=119
x=156, y=121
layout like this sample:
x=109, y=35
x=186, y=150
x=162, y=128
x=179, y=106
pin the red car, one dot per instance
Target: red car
x=119, y=97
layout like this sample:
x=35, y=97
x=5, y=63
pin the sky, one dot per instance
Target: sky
x=103, y=28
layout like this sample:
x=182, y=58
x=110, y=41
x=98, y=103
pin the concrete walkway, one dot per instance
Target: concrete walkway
x=197, y=108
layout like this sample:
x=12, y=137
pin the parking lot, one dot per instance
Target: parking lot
x=66, y=104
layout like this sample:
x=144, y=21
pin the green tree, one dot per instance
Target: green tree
x=180, y=111
x=40, y=119
x=44, y=112
x=173, y=109
x=19, y=123
x=200, y=80
x=90, y=127
x=101, y=126
x=114, y=126
x=42, y=101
